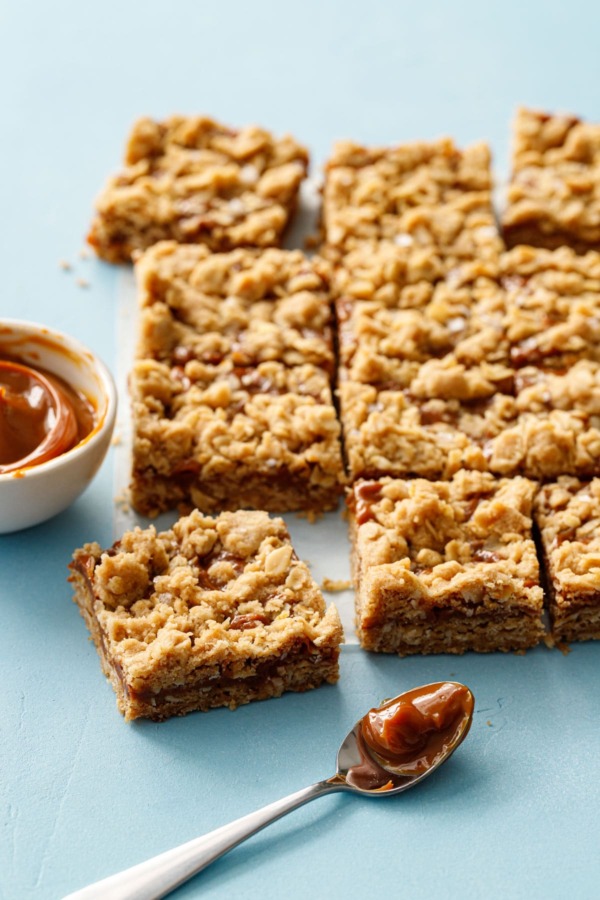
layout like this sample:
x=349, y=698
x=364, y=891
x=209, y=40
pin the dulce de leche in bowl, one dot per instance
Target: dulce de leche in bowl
x=57, y=411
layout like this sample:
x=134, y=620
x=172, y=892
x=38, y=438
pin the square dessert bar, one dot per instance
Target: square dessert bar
x=194, y=180
x=567, y=513
x=552, y=301
x=529, y=307
x=413, y=195
x=391, y=431
x=223, y=437
x=444, y=567
x=452, y=417
x=377, y=343
x=215, y=612
x=554, y=192
x=248, y=306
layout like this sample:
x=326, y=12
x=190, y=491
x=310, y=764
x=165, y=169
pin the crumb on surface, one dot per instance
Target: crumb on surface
x=82, y=283
x=64, y=265
x=332, y=585
x=311, y=515
x=122, y=500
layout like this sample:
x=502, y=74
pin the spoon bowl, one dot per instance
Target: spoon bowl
x=368, y=769
x=391, y=749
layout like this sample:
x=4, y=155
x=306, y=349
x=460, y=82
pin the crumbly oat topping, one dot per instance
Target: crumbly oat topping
x=549, y=427
x=246, y=306
x=389, y=433
x=532, y=307
x=445, y=566
x=197, y=181
x=211, y=597
x=568, y=517
x=554, y=194
x=453, y=322
x=212, y=429
x=559, y=271
x=415, y=195
x=552, y=306
x=495, y=368
x=440, y=530
x=382, y=273
x=231, y=394
x=234, y=578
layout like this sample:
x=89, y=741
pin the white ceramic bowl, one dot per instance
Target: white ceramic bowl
x=32, y=495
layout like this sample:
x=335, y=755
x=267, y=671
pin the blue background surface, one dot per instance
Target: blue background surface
x=516, y=811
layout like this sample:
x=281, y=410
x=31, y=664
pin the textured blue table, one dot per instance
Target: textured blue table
x=516, y=812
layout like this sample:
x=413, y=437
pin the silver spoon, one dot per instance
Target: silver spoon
x=377, y=758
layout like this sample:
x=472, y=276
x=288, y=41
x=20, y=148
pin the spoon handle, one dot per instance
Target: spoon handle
x=161, y=874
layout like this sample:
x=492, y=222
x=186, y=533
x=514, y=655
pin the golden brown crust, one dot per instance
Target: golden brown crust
x=195, y=180
x=467, y=324
x=552, y=301
x=214, y=612
x=494, y=367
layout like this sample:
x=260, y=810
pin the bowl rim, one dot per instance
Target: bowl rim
x=106, y=382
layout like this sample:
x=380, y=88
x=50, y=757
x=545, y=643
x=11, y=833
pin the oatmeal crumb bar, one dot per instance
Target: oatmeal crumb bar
x=194, y=180
x=568, y=517
x=377, y=342
x=530, y=307
x=214, y=612
x=452, y=417
x=552, y=316
x=445, y=567
x=412, y=196
x=248, y=306
x=391, y=432
x=223, y=437
x=554, y=192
